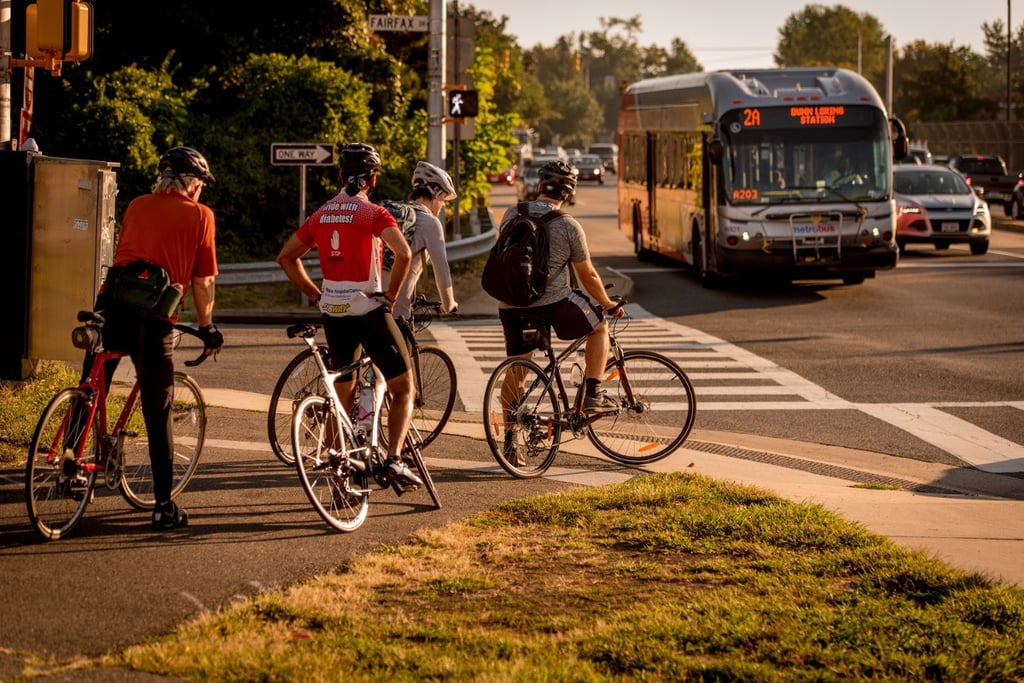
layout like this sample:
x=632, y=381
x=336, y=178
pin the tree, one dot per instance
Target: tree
x=834, y=36
x=935, y=82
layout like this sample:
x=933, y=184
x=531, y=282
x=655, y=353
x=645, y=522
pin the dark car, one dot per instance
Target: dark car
x=609, y=153
x=526, y=184
x=590, y=167
x=987, y=174
x=935, y=205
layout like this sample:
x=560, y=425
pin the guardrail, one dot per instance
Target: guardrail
x=481, y=222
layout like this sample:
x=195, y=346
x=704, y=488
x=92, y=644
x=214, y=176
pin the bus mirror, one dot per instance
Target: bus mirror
x=715, y=151
x=900, y=143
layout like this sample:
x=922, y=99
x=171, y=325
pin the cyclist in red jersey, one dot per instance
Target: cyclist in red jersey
x=170, y=228
x=349, y=232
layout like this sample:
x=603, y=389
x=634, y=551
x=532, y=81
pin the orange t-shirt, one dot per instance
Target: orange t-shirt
x=172, y=231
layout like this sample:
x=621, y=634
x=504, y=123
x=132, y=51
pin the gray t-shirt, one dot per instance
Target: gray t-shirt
x=567, y=244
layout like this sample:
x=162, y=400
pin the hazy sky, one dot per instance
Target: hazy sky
x=744, y=33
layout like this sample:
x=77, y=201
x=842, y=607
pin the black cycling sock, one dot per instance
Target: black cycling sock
x=593, y=386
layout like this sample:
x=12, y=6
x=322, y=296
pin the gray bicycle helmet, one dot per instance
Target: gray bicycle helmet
x=185, y=161
x=437, y=179
x=557, y=179
x=358, y=159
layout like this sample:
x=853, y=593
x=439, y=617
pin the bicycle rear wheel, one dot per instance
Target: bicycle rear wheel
x=300, y=378
x=414, y=452
x=522, y=418
x=188, y=428
x=338, y=490
x=57, y=489
x=657, y=409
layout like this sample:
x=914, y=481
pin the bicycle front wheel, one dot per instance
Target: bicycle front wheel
x=657, y=408
x=57, y=488
x=522, y=418
x=188, y=429
x=436, y=388
x=300, y=378
x=337, y=488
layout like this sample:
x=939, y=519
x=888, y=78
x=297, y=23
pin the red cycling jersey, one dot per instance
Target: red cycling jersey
x=346, y=233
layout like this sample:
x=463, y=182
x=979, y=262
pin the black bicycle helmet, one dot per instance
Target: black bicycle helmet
x=557, y=179
x=185, y=161
x=358, y=160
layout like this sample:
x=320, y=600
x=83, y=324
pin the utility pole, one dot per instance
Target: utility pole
x=435, y=73
x=5, y=73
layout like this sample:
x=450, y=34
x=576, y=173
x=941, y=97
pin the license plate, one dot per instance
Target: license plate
x=950, y=227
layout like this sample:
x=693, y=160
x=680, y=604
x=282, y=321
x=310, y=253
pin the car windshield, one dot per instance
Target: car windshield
x=588, y=160
x=929, y=181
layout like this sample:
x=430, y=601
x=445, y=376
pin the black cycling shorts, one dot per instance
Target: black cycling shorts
x=376, y=332
x=571, y=318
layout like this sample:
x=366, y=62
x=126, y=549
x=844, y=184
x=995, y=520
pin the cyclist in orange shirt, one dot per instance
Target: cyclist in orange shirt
x=171, y=229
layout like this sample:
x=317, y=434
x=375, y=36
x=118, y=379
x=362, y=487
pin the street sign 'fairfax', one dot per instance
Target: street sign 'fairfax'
x=301, y=153
x=392, y=22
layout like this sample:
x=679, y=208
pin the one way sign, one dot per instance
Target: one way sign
x=301, y=153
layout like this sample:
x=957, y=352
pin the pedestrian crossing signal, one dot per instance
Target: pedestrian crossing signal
x=463, y=104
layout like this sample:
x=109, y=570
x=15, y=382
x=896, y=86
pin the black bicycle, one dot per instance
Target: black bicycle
x=527, y=410
x=433, y=373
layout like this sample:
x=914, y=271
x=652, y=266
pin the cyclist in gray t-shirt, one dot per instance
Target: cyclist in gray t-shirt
x=569, y=311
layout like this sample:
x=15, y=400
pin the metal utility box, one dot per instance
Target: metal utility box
x=69, y=244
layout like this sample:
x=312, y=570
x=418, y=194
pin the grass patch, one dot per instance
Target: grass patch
x=663, y=577
x=21, y=404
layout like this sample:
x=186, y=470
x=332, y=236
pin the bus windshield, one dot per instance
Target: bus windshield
x=775, y=155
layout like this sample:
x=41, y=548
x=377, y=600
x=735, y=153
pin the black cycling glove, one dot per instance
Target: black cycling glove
x=213, y=340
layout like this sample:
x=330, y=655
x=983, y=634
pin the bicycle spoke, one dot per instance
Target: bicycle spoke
x=337, y=489
x=300, y=378
x=188, y=429
x=57, y=488
x=657, y=409
x=522, y=418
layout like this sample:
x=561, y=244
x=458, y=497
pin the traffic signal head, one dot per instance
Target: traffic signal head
x=59, y=28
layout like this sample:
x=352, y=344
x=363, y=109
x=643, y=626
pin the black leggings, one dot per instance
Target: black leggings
x=150, y=344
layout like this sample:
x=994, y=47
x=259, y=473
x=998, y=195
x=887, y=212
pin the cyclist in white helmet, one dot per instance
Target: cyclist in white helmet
x=431, y=188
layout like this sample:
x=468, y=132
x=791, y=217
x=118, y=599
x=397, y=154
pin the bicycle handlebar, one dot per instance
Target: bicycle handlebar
x=195, y=333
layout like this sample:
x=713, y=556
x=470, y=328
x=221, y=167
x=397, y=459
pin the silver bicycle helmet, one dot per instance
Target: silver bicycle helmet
x=437, y=179
x=185, y=161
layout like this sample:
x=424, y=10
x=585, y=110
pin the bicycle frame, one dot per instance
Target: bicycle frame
x=574, y=417
x=380, y=388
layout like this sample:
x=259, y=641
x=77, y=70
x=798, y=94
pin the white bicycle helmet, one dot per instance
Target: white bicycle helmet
x=437, y=179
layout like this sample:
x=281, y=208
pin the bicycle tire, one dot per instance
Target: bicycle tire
x=434, y=404
x=656, y=414
x=300, y=378
x=536, y=416
x=339, y=493
x=414, y=452
x=55, y=497
x=188, y=427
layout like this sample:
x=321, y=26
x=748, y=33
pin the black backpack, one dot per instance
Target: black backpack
x=405, y=216
x=516, y=272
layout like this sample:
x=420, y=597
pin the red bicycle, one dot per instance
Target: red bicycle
x=73, y=441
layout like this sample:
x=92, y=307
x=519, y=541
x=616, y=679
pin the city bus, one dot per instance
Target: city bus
x=784, y=173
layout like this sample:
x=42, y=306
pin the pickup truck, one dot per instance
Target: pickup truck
x=987, y=174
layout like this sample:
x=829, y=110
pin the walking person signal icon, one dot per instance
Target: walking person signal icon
x=463, y=104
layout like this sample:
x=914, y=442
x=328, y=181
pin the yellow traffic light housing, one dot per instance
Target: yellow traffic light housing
x=57, y=31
